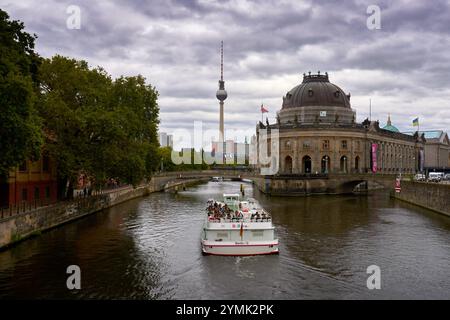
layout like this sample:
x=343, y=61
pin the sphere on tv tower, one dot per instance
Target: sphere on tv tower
x=221, y=94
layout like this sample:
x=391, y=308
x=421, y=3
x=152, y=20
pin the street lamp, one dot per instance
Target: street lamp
x=345, y=164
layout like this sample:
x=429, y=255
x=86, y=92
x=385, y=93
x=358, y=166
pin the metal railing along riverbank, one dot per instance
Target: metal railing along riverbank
x=79, y=199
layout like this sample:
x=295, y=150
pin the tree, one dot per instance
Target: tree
x=135, y=104
x=104, y=128
x=20, y=127
x=165, y=155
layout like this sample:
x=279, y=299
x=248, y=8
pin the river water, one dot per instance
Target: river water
x=149, y=248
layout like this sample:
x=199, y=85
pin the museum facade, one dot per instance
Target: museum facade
x=318, y=134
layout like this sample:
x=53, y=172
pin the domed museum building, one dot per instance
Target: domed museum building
x=318, y=134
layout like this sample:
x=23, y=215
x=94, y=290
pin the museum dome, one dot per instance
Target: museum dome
x=389, y=126
x=316, y=90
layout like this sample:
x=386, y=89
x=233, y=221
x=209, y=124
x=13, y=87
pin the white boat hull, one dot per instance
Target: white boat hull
x=241, y=248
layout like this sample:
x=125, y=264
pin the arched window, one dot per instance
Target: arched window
x=326, y=164
x=344, y=164
x=357, y=163
x=288, y=145
x=306, y=164
x=288, y=165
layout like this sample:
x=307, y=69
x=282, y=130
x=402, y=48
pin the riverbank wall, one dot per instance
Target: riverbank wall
x=433, y=196
x=24, y=225
x=320, y=184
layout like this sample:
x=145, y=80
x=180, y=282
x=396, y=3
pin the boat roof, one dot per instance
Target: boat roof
x=231, y=194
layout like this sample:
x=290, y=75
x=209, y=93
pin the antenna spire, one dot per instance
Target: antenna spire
x=221, y=60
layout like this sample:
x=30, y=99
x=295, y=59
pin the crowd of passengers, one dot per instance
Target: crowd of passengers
x=223, y=211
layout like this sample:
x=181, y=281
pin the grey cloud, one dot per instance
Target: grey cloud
x=268, y=45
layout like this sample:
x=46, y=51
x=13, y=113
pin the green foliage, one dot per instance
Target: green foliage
x=105, y=128
x=20, y=127
x=92, y=124
x=165, y=155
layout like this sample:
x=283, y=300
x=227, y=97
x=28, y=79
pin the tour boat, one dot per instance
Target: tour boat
x=238, y=228
x=216, y=179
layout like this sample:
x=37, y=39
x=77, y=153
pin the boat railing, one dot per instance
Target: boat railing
x=225, y=220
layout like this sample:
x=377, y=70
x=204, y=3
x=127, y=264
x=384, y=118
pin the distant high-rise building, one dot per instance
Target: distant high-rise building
x=165, y=140
x=232, y=152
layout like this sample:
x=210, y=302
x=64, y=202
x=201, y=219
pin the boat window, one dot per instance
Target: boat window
x=222, y=235
x=258, y=233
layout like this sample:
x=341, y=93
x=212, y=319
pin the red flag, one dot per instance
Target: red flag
x=263, y=110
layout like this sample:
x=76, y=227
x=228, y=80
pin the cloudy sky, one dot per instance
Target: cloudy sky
x=404, y=67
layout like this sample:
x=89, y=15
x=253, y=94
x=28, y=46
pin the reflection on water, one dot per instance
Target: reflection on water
x=149, y=248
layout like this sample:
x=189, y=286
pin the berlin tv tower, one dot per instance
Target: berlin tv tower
x=221, y=94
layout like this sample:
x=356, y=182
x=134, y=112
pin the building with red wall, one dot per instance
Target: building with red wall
x=32, y=182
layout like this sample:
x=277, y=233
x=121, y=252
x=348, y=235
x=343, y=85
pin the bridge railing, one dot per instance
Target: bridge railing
x=212, y=173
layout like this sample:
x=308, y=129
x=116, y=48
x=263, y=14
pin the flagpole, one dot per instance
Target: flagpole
x=262, y=113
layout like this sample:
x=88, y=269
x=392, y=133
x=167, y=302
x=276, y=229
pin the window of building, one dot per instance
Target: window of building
x=307, y=164
x=326, y=144
x=344, y=144
x=306, y=145
x=288, y=145
x=23, y=167
x=325, y=164
x=344, y=167
x=357, y=145
x=24, y=194
x=45, y=163
x=36, y=193
x=288, y=165
x=47, y=192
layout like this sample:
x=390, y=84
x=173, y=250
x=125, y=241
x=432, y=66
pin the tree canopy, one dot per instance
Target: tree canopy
x=93, y=124
x=102, y=127
x=20, y=126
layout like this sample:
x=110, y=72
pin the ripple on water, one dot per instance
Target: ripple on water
x=149, y=248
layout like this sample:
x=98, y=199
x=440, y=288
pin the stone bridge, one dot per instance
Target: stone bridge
x=286, y=184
